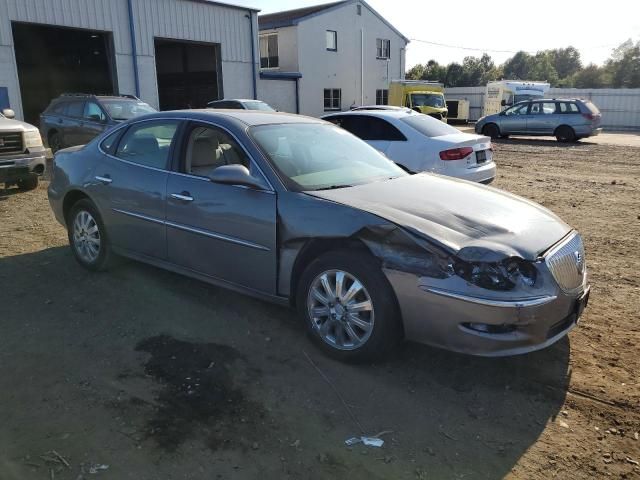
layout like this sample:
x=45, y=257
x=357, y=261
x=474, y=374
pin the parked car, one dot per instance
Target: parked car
x=421, y=143
x=568, y=120
x=381, y=107
x=22, y=155
x=241, y=104
x=76, y=118
x=297, y=211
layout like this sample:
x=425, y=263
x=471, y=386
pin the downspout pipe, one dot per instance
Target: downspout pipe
x=253, y=57
x=134, y=50
x=298, y=96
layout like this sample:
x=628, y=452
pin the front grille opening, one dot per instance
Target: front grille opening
x=11, y=143
x=489, y=328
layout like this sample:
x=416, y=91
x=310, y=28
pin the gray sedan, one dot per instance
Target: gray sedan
x=300, y=212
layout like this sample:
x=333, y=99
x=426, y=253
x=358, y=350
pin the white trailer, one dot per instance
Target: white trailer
x=503, y=93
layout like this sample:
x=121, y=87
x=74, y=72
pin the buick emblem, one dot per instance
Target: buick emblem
x=579, y=261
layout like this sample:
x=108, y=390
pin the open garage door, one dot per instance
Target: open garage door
x=189, y=73
x=55, y=60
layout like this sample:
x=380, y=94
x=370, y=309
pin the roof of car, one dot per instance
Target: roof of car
x=560, y=99
x=248, y=117
x=236, y=100
x=377, y=113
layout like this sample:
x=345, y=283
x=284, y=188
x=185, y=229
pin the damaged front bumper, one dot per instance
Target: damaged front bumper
x=437, y=313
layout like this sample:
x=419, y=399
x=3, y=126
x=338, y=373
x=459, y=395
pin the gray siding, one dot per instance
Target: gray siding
x=174, y=19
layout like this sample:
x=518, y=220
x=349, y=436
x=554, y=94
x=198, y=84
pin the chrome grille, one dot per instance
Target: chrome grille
x=567, y=264
x=11, y=143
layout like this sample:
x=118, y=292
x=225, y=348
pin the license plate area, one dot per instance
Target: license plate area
x=481, y=156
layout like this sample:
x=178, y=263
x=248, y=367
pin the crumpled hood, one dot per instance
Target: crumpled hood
x=472, y=220
x=12, y=125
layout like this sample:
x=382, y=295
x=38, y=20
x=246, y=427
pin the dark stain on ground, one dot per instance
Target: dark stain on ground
x=199, y=396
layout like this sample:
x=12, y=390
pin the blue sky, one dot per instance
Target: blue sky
x=592, y=27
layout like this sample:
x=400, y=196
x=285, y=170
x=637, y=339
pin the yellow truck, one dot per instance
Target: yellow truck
x=419, y=95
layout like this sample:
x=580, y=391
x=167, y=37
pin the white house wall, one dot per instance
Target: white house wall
x=173, y=19
x=342, y=69
x=287, y=48
x=280, y=94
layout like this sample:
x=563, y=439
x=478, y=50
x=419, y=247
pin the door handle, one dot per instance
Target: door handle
x=184, y=196
x=105, y=180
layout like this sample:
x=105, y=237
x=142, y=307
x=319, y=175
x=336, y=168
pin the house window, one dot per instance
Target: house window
x=359, y=9
x=332, y=40
x=382, y=97
x=383, y=48
x=269, y=51
x=332, y=99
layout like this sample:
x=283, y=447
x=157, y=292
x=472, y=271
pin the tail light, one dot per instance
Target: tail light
x=589, y=116
x=456, y=153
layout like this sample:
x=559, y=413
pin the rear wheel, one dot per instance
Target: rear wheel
x=348, y=306
x=565, y=134
x=87, y=236
x=491, y=130
x=29, y=183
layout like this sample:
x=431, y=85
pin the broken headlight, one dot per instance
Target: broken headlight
x=503, y=275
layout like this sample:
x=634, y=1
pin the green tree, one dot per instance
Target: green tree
x=592, y=76
x=625, y=73
x=566, y=61
x=415, y=72
x=518, y=66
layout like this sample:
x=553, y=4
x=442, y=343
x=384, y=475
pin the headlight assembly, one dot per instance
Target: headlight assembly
x=32, y=139
x=504, y=275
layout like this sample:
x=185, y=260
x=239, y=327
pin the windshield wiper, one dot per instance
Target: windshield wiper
x=334, y=187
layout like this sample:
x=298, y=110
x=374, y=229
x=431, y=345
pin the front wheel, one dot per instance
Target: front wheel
x=348, y=306
x=87, y=236
x=491, y=130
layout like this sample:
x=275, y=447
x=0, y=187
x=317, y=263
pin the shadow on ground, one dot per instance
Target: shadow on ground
x=160, y=376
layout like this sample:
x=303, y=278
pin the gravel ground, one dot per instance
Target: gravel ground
x=162, y=377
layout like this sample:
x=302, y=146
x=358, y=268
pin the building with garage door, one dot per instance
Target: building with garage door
x=170, y=53
x=341, y=54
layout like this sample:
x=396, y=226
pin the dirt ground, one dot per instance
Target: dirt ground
x=163, y=377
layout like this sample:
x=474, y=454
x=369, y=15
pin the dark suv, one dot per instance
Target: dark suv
x=75, y=119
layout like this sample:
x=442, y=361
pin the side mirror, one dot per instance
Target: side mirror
x=236, y=175
x=7, y=112
x=96, y=117
x=503, y=102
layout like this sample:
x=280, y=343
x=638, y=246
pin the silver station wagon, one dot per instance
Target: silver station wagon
x=300, y=212
x=568, y=120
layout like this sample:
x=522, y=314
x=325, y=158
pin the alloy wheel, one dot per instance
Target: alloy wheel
x=340, y=310
x=86, y=236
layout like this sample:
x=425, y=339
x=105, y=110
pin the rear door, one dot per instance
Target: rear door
x=129, y=186
x=542, y=118
x=223, y=231
x=69, y=128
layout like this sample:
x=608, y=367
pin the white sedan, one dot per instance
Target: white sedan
x=421, y=143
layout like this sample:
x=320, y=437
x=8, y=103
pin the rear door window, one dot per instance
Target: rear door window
x=148, y=143
x=75, y=109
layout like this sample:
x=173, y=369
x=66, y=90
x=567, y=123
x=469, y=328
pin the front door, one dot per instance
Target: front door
x=130, y=187
x=542, y=118
x=224, y=231
x=514, y=119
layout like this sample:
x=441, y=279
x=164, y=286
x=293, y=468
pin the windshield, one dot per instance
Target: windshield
x=312, y=156
x=126, y=109
x=427, y=100
x=259, y=106
x=429, y=126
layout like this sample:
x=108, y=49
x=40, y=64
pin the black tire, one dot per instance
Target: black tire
x=386, y=331
x=29, y=183
x=565, y=134
x=504, y=137
x=104, y=256
x=55, y=143
x=491, y=130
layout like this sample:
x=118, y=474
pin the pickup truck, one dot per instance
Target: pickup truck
x=22, y=155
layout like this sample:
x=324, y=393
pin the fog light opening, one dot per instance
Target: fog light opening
x=489, y=328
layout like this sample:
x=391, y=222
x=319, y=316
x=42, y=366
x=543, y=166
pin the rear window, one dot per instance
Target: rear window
x=429, y=126
x=592, y=108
